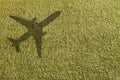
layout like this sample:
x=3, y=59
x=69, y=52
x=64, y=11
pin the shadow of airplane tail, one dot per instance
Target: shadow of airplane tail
x=15, y=43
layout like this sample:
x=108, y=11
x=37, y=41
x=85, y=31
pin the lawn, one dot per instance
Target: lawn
x=83, y=43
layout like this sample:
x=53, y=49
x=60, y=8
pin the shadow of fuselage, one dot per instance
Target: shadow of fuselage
x=35, y=30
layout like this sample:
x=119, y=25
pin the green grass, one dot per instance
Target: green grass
x=83, y=43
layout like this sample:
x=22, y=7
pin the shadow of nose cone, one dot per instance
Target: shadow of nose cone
x=58, y=12
x=34, y=19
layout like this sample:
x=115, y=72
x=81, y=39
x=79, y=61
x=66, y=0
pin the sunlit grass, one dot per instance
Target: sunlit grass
x=83, y=43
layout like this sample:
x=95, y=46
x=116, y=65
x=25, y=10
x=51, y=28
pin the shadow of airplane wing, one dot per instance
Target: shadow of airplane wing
x=22, y=21
x=50, y=18
x=39, y=47
x=38, y=39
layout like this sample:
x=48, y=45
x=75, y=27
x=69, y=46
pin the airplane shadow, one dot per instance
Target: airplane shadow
x=35, y=30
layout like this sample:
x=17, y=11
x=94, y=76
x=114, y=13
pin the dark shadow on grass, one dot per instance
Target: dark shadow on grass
x=35, y=30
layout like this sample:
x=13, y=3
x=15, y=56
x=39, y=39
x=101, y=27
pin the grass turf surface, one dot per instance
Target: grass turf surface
x=83, y=43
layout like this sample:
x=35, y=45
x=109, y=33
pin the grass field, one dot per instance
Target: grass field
x=83, y=43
